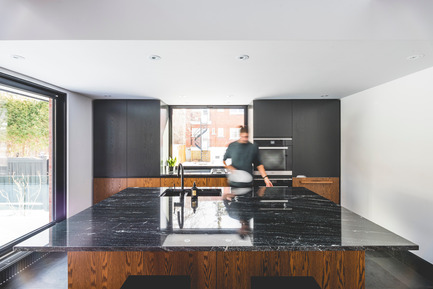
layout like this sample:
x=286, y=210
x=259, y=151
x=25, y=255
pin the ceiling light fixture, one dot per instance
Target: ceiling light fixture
x=155, y=57
x=243, y=57
x=415, y=57
x=18, y=57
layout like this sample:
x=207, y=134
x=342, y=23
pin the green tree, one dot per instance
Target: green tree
x=27, y=129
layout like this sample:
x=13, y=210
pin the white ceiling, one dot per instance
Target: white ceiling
x=297, y=49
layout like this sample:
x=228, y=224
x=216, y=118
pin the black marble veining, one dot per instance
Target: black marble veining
x=286, y=219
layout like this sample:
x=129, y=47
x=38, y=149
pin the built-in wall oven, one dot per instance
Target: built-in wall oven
x=276, y=156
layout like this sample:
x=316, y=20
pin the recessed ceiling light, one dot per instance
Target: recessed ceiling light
x=415, y=57
x=243, y=57
x=18, y=57
x=154, y=57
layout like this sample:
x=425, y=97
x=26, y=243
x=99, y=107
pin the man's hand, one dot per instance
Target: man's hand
x=268, y=182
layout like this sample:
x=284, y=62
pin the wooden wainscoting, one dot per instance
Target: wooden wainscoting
x=326, y=187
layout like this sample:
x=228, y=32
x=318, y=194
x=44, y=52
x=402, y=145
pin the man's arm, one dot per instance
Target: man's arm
x=261, y=169
x=230, y=168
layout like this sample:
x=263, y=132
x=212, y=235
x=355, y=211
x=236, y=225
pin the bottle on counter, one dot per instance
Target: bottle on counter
x=194, y=198
x=194, y=190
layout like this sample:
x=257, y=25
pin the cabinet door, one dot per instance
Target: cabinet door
x=109, y=138
x=143, y=138
x=272, y=118
x=316, y=138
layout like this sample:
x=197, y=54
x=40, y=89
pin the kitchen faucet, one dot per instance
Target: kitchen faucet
x=180, y=172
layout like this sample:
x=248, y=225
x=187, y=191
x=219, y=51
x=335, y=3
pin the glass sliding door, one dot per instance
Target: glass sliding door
x=26, y=155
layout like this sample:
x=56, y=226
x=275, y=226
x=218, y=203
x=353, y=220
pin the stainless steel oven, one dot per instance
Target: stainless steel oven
x=276, y=156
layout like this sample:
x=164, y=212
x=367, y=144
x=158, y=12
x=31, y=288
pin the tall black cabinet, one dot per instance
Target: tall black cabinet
x=316, y=138
x=126, y=141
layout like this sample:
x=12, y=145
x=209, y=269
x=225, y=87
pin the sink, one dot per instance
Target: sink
x=200, y=192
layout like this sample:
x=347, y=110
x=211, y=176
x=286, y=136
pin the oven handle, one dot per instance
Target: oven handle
x=273, y=148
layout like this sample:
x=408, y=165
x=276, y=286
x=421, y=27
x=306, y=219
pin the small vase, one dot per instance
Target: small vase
x=170, y=170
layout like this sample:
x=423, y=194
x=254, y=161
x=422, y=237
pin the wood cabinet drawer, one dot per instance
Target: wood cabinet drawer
x=326, y=187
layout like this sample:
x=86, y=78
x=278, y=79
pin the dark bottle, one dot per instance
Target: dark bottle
x=194, y=198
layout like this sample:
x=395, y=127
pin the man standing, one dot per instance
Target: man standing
x=244, y=154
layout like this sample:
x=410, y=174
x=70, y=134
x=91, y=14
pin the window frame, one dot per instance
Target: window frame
x=170, y=117
x=59, y=152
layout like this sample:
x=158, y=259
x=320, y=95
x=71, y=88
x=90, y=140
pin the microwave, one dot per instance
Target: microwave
x=276, y=156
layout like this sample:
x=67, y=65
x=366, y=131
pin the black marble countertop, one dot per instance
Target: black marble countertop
x=285, y=219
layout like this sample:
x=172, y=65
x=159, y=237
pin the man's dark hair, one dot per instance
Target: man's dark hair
x=244, y=129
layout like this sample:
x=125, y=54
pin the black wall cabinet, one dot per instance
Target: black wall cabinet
x=126, y=138
x=109, y=138
x=316, y=138
x=272, y=118
x=314, y=126
x=143, y=149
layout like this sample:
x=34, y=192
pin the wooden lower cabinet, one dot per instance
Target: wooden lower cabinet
x=106, y=187
x=217, y=182
x=326, y=187
x=217, y=270
x=200, y=182
x=144, y=182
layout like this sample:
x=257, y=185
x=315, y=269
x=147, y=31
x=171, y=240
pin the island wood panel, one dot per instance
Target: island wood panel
x=144, y=182
x=109, y=270
x=331, y=269
x=326, y=187
x=106, y=187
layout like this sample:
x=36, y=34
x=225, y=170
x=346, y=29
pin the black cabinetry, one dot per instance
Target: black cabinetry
x=316, y=138
x=143, y=138
x=126, y=141
x=272, y=118
x=109, y=138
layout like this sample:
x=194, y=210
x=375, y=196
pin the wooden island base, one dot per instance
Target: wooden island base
x=216, y=270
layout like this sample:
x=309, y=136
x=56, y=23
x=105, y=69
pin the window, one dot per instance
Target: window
x=32, y=159
x=234, y=133
x=237, y=111
x=197, y=134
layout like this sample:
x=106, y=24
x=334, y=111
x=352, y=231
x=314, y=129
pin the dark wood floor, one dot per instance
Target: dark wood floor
x=382, y=272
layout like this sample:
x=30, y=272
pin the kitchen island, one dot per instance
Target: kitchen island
x=220, y=241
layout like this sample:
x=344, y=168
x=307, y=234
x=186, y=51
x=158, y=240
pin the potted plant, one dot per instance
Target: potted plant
x=171, y=162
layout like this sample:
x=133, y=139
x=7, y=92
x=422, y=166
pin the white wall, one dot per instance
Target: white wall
x=80, y=156
x=79, y=147
x=387, y=157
